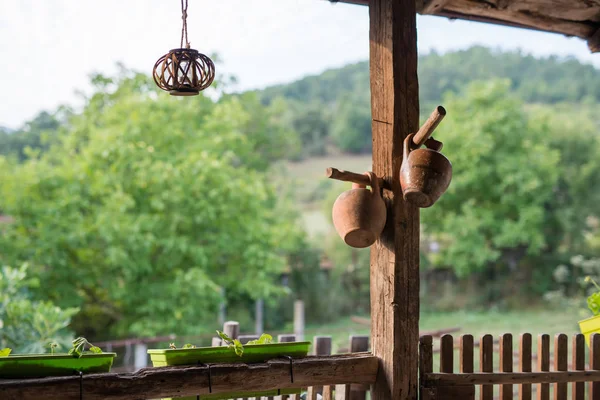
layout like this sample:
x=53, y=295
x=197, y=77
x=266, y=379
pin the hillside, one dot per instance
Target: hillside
x=331, y=110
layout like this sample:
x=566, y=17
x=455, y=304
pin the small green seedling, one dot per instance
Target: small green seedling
x=79, y=347
x=265, y=338
x=237, y=346
x=234, y=344
x=5, y=352
x=188, y=346
x=593, y=300
x=52, y=346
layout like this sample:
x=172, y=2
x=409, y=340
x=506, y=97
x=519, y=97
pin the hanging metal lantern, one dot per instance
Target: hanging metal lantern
x=184, y=71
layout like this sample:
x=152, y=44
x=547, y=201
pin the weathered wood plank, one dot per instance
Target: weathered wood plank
x=395, y=256
x=561, y=363
x=425, y=363
x=543, y=355
x=151, y=383
x=594, y=42
x=538, y=21
x=447, y=354
x=498, y=378
x=595, y=365
x=486, y=364
x=578, y=389
x=506, y=364
x=525, y=364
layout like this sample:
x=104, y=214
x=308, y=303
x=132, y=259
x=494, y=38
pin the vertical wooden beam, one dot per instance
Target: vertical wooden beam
x=395, y=256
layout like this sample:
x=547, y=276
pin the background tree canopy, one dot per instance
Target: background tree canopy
x=147, y=205
x=142, y=205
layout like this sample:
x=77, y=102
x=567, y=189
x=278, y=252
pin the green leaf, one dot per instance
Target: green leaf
x=238, y=347
x=96, y=350
x=225, y=338
x=5, y=352
x=188, y=346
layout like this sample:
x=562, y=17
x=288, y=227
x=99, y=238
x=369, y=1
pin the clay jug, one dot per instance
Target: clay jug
x=425, y=175
x=359, y=214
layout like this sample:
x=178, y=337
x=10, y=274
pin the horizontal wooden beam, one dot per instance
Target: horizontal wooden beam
x=487, y=12
x=152, y=383
x=497, y=378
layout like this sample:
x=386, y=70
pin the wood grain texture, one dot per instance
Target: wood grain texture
x=152, y=383
x=579, y=18
x=499, y=378
x=395, y=256
x=486, y=364
x=466, y=353
x=425, y=363
x=578, y=389
x=447, y=354
x=561, y=363
x=543, y=355
x=525, y=352
x=595, y=365
x=506, y=364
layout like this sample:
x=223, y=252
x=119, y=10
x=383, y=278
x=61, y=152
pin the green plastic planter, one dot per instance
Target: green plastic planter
x=253, y=353
x=42, y=365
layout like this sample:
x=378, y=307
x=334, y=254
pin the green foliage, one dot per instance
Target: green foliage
x=148, y=206
x=79, y=345
x=233, y=344
x=495, y=207
x=36, y=134
x=593, y=300
x=238, y=347
x=343, y=94
x=265, y=338
x=27, y=325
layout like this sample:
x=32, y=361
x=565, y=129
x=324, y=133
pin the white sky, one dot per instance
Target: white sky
x=48, y=48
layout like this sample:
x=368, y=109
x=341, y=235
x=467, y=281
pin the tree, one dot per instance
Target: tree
x=525, y=190
x=147, y=206
x=504, y=173
x=28, y=326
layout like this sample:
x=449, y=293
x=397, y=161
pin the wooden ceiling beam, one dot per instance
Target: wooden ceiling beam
x=594, y=42
x=502, y=12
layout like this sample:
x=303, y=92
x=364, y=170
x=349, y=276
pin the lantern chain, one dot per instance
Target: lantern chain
x=184, y=31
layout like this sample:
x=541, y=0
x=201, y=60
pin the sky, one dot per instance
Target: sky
x=48, y=48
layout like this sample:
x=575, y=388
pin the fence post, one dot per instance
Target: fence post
x=222, y=308
x=525, y=363
x=259, y=317
x=299, y=320
x=286, y=338
x=322, y=348
x=579, y=365
x=425, y=365
x=140, y=356
x=231, y=329
x=543, y=365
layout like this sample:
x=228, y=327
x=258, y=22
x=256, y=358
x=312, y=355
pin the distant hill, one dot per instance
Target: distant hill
x=332, y=110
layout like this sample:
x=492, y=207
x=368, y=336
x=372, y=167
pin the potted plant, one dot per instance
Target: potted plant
x=592, y=324
x=78, y=359
x=233, y=351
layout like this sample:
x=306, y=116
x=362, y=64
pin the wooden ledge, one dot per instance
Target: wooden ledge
x=152, y=383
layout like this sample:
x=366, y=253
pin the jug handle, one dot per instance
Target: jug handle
x=406, y=149
x=374, y=183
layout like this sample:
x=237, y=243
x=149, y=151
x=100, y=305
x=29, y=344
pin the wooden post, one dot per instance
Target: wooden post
x=322, y=347
x=140, y=356
x=395, y=256
x=259, y=319
x=231, y=329
x=299, y=320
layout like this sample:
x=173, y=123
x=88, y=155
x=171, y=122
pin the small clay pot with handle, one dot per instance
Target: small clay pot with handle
x=425, y=174
x=359, y=214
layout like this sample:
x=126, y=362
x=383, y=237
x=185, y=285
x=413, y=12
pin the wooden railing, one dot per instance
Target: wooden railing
x=513, y=377
x=342, y=376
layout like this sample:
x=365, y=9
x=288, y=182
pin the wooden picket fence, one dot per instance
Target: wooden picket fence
x=563, y=377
